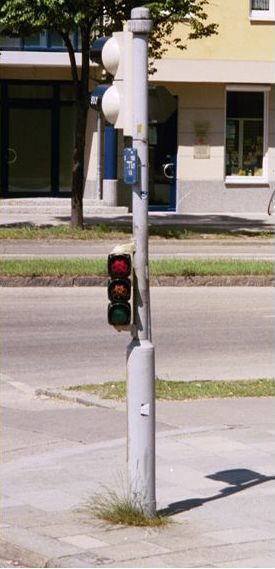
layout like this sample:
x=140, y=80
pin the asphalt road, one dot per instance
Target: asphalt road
x=244, y=249
x=60, y=336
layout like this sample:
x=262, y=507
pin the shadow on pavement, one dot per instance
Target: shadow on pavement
x=25, y=225
x=196, y=222
x=172, y=226
x=239, y=479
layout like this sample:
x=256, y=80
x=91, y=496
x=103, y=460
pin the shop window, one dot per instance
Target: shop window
x=245, y=136
x=261, y=10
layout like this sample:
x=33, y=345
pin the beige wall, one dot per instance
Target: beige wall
x=238, y=37
x=271, y=162
x=200, y=103
x=90, y=156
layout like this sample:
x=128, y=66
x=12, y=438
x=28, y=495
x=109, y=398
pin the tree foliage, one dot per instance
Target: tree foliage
x=92, y=18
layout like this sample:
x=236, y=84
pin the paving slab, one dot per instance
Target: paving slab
x=215, y=481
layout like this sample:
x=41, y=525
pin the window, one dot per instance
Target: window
x=30, y=91
x=35, y=40
x=9, y=43
x=260, y=4
x=40, y=41
x=262, y=10
x=245, y=135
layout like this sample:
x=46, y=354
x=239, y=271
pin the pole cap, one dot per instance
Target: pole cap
x=140, y=22
x=140, y=13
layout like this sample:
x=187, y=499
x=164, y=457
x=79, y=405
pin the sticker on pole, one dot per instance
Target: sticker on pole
x=143, y=195
x=130, y=166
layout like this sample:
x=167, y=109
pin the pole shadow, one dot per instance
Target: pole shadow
x=238, y=479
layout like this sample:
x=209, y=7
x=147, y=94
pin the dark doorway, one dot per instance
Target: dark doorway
x=163, y=165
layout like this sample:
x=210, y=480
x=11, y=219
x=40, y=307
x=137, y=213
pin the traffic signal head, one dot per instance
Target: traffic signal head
x=115, y=55
x=119, y=289
x=106, y=51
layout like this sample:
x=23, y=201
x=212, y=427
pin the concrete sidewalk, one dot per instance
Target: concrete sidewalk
x=57, y=211
x=215, y=477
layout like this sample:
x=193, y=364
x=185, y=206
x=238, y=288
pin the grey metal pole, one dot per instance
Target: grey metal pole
x=140, y=354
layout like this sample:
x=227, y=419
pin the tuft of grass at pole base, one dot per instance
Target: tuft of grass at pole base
x=115, y=509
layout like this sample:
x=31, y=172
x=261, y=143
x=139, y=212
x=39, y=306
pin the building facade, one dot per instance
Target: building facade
x=225, y=87
x=37, y=117
x=214, y=153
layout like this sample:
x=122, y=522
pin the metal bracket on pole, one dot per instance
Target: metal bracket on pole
x=129, y=247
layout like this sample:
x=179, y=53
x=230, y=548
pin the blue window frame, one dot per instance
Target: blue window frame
x=40, y=41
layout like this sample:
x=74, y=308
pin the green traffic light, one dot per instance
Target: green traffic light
x=119, y=314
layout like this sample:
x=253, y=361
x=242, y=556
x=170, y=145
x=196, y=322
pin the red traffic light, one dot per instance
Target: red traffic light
x=119, y=265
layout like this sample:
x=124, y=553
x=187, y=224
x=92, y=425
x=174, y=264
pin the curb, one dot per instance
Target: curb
x=85, y=399
x=23, y=556
x=186, y=281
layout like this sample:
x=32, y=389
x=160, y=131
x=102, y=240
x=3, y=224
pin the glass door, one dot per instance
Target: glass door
x=163, y=167
x=36, y=138
x=29, y=150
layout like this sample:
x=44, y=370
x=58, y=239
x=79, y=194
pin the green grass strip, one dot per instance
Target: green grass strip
x=182, y=390
x=177, y=267
x=112, y=230
x=53, y=267
x=182, y=267
x=93, y=232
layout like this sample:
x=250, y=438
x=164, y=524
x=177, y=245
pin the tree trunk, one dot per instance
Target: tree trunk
x=78, y=165
x=82, y=106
